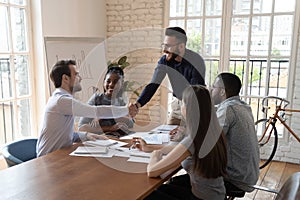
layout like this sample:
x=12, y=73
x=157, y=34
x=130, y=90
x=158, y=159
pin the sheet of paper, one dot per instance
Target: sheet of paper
x=138, y=159
x=164, y=128
x=109, y=154
x=138, y=153
x=106, y=143
x=136, y=134
x=121, y=152
x=90, y=150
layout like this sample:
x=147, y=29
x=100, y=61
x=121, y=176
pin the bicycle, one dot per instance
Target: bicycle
x=268, y=126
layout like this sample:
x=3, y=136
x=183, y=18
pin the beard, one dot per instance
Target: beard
x=170, y=56
x=76, y=88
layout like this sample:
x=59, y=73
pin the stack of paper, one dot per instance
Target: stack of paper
x=90, y=150
x=156, y=138
x=105, y=143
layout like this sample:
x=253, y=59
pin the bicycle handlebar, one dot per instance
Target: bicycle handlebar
x=264, y=106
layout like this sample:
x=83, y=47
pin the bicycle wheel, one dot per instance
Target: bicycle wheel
x=267, y=150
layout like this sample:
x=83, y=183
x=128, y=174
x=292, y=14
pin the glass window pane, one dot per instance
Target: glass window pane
x=284, y=6
x=177, y=8
x=23, y=111
x=179, y=23
x=6, y=117
x=282, y=35
x=212, y=37
x=213, y=7
x=21, y=75
x=18, y=2
x=278, y=78
x=256, y=77
x=5, y=78
x=194, y=8
x=4, y=39
x=262, y=6
x=239, y=36
x=212, y=66
x=3, y=1
x=241, y=7
x=19, y=29
x=194, y=35
x=260, y=36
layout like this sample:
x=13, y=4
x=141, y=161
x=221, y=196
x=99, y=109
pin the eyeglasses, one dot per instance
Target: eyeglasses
x=168, y=46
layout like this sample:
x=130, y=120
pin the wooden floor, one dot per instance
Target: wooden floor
x=272, y=176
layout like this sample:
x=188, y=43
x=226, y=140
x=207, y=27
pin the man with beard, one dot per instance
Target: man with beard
x=183, y=67
x=58, y=126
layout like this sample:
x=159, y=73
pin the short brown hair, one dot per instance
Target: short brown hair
x=59, y=69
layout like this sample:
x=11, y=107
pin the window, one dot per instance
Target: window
x=15, y=71
x=251, y=38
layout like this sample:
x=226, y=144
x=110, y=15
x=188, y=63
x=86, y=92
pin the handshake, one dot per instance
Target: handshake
x=133, y=109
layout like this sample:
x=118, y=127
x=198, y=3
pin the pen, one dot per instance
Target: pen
x=112, y=144
x=120, y=150
x=161, y=129
x=89, y=152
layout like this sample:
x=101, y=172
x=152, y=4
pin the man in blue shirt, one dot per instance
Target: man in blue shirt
x=183, y=67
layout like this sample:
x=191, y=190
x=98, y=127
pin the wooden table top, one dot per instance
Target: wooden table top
x=59, y=176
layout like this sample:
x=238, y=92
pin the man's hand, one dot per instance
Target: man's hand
x=93, y=136
x=94, y=123
x=133, y=110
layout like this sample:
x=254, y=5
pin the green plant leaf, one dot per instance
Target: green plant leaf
x=122, y=60
x=126, y=64
x=110, y=65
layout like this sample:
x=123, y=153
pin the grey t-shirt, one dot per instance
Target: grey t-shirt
x=202, y=188
x=236, y=120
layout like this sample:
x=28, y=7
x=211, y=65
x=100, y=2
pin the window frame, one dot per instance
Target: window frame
x=225, y=53
x=16, y=133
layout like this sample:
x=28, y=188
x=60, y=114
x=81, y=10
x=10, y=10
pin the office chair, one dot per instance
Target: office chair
x=290, y=190
x=19, y=151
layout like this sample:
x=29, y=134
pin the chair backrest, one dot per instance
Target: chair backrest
x=19, y=151
x=290, y=189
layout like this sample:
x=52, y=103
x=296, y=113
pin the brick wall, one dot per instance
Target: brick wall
x=291, y=151
x=135, y=29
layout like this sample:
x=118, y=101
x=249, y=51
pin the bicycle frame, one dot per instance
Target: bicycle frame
x=273, y=119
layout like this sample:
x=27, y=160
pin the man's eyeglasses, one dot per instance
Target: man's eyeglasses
x=168, y=46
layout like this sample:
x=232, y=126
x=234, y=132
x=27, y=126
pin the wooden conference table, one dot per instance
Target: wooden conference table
x=59, y=176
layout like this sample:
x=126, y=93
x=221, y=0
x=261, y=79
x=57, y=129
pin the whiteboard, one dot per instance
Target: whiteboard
x=89, y=54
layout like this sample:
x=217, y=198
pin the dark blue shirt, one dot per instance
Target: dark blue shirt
x=190, y=71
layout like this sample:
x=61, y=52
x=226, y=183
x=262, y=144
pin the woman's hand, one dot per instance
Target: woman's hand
x=93, y=136
x=118, y=126
x=177, y=134
x=142, y=145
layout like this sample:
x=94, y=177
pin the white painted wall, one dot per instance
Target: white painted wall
x=61, y=18
x=74, y=18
